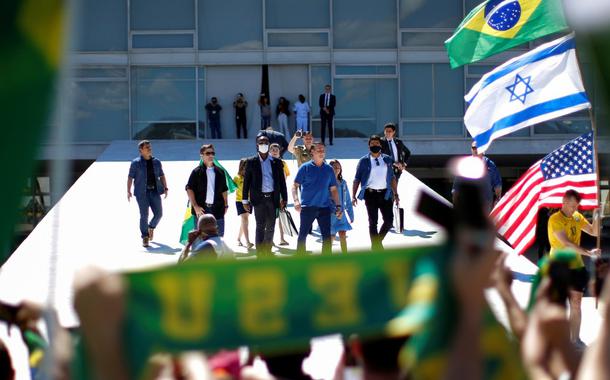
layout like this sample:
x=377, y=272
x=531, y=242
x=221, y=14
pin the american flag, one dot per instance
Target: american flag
x=572, y=166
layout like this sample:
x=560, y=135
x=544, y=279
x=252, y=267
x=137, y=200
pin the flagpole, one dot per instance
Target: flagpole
x=596, y=163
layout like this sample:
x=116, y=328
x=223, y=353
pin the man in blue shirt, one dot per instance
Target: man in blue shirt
x=319, y=195
x=376, y=175
x=148, y=179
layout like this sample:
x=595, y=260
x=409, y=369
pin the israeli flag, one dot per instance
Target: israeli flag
x=540, y=85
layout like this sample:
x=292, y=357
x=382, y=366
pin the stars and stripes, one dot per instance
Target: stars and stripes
x=572, y=166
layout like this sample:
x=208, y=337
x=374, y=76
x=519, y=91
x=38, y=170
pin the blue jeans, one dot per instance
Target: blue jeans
x=308, y=215
x=215, y=129
x=151, y=200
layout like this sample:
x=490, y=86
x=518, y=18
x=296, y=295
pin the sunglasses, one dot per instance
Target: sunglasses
x=208, y=154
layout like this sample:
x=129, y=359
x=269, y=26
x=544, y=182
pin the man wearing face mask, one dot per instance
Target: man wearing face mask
x=213, y=110
x=375, y=174
x=264, y=185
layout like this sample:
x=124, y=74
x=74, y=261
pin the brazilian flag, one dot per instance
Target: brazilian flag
x=31, y=33
x=498, y=25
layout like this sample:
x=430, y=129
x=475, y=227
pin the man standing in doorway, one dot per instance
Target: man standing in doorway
x=375, y=174
x=207, y=188
x=149, y=182
x=327, y=104
x=264, y=189
x=318, y=185
x=564, y=230
x=393, y=147
x=213, y=109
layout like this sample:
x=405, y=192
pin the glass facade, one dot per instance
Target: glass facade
x=142, y=66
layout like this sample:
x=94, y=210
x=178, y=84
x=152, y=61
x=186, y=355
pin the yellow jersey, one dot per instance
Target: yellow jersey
x=572, y=226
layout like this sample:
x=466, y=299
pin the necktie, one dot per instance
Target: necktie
x=326, y=101
x=394, y=150
x=377, y=161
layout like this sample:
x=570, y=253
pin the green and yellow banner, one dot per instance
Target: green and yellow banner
x=270, y=304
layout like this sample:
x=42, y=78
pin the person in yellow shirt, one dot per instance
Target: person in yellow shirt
x=565, y=227
x=241, y=211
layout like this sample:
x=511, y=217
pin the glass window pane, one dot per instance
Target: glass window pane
x=525, y=132
x=286, y=14
x=449, y=128
x=365, y=70
x=162, y=14
x=430, y=14
x=163, y=94
x=563, y=126
x=203, y=100
x=386, y=102
x=158, y=41
x=100, y=111
x=164, y=130
x=230, y=25
x=98, y=72
x=448, y=91
x=416, y=90
x=101, y=25
x=417, y=127
x=479, y=70
x=297, y=39
x=364, y=24
x=355, y=128
x=425, y=39
x=320, y=76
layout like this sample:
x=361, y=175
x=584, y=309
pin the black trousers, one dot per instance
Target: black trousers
x=241, y=124
x=326, y=120
x=264, y=213
x=375, y=202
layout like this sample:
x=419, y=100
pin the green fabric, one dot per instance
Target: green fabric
x=425, y=354
x=268, y=304
x=28, y=65
x=473, y=40
x=230, y=183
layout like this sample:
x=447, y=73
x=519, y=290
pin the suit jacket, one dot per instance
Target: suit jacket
x=331, y=104
x=253, y=181
x=403, y=152
x=198, y=182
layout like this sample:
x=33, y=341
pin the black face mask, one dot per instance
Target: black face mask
x=375, y=149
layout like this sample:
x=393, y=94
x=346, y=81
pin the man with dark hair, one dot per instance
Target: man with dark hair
x=493, y=187
x=565, y=227
x=395, y=148
x=375, y=174
x=265, y=189
x=327, y=103
x=146, y=175
x=318, y=184
x=207, y=188
x=274, y=138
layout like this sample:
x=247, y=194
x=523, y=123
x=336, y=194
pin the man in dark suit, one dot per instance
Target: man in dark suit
x=210, y=199
x=327, y=104
x=395, y=148
x=265, y=190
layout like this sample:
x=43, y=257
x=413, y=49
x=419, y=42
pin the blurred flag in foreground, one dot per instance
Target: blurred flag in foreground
x=572, y=166
x=540, y=85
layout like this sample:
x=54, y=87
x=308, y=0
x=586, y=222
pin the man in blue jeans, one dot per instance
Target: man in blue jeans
x=319, y=196
x=148, y=179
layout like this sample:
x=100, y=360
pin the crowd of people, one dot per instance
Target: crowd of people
x=283, y=111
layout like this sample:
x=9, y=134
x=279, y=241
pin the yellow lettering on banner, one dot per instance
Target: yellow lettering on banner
x=337, y=285
x=398, y=273
x=263, y=297
x=185, y=304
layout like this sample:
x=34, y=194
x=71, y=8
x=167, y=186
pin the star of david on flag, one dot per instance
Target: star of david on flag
x=520, y=89
x=571, y=166
x=504, y=100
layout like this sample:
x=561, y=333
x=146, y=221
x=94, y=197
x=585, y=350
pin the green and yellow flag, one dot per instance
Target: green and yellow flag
x=498, y=25
x=31, y=37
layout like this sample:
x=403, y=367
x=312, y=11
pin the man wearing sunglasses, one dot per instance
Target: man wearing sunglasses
x=207, y=188
x=376, y=175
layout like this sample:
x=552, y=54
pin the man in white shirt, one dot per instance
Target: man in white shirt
x=375, y=174
x=395, y=148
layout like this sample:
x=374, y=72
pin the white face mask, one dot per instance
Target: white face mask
x=264, y=148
